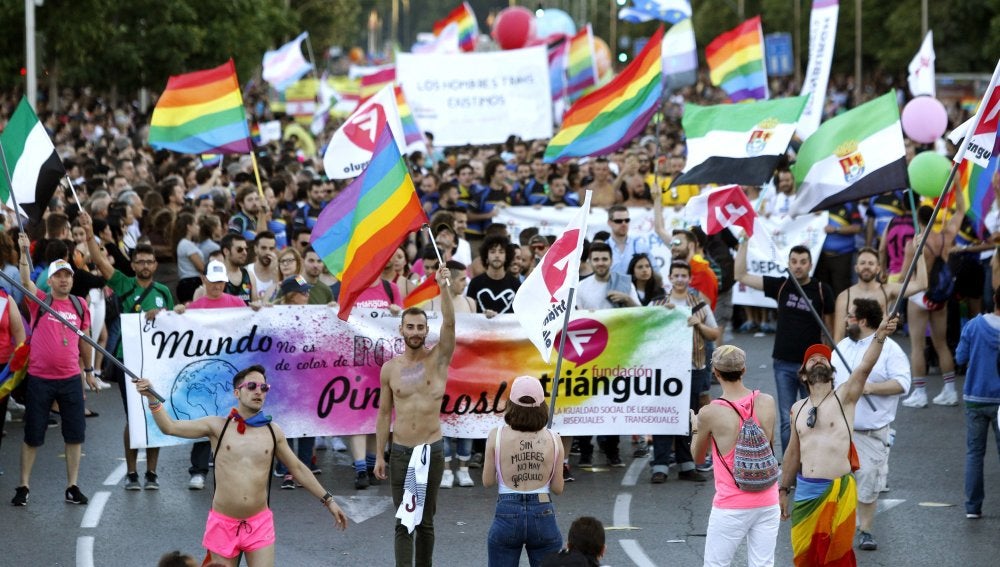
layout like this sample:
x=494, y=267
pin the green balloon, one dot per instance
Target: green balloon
x=928, y=172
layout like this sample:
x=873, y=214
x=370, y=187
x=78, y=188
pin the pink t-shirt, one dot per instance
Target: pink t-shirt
x=374, y=297
x=55, y=349
x=224, y=300
x=727, y=495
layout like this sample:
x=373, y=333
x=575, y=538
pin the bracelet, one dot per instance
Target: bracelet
x=153, y=408
x=785, y=488
x=882, y=340
x=326, y=498
x=88, y=370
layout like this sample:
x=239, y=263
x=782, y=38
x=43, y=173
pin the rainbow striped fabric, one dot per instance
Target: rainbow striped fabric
x=468, y=27
x=411, y=132
x=976, y=184
x=359, y=230
x=736, y=62
x=581, y=66
x=424, y=292
x=608, y=118
x=201, y=112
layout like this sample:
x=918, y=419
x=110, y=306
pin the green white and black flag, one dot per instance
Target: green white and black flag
x=34, y=166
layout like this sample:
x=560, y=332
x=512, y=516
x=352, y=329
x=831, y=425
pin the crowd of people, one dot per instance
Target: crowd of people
x=141, y=231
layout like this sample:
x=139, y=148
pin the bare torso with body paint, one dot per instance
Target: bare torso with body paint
x=417, y=390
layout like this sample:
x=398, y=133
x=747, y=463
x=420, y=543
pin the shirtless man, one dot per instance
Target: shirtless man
x=240, y=520
x=413, y=385
x=820, y=457
x=603, y=185
x=870, y=286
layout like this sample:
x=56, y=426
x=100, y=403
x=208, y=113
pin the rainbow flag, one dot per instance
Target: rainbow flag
x=201, y=112
x=211, y=160
x=411, y=132
x=468, y=27
x=359, y=230
x=611, y=116
x=581, y=66
x=372, y=83
x=736, y=62
x=976, y=184
x=426, y=291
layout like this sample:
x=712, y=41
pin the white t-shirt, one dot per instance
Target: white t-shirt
x=892, y=364
x=593, y=294
x=263, y=286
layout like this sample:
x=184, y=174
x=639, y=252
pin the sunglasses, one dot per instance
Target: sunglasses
x=264, y=387
x=538, y=247
x=676, y=242
x=811, y=418
x=620, y=221
x=286, y=261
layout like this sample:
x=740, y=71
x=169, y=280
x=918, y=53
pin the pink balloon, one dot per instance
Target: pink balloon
x=514, y=27
x=924, y=119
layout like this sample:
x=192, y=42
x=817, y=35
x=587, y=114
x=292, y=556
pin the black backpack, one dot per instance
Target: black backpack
x=940, y=284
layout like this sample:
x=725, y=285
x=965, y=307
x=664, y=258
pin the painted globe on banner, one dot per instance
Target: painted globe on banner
x=514, y=27
x=924, y=119
x=928, y=172
x=553, y=21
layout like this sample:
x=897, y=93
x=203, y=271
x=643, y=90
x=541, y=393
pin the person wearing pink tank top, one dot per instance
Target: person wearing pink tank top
x=737, y=515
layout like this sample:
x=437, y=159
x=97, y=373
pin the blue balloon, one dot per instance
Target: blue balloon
x=553, y=21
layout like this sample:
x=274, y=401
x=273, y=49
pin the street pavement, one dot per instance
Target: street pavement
x=921, y=520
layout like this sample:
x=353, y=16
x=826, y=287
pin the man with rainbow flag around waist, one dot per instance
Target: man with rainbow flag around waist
x=821, y=457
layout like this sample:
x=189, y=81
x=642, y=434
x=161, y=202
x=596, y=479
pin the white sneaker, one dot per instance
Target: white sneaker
x=197, y=482
x=102, y=385
x=447, y=479
x=338, y=445
x=917, y=399
x=463, y=478
x=947, y=397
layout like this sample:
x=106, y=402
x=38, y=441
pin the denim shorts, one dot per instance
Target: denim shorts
x=41, y=392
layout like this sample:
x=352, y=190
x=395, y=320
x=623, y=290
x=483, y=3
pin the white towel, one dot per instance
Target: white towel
x=411, y=510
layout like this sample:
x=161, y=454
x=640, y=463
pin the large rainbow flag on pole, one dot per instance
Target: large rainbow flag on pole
x=359, y=230
x=736, y=62
x=201, y=113
x=608, y=118
x=468, y=27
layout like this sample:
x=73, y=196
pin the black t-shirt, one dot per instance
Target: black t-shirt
x=495, y=295
x=797, y=328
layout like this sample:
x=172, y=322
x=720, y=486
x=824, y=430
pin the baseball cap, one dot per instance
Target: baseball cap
x=527, y=387
x=824, y=350
x=295, y=284
x=729, y=358
x=58, y=265
x=216, y=272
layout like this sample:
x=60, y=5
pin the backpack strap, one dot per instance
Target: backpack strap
x=738, y=429
x=215, y=455
x=388, y=291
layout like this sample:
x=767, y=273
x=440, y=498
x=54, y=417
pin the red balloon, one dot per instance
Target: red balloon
x=514, y=27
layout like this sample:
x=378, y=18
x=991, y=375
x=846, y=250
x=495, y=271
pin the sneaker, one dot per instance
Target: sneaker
x=706, y=466
x=867, y=542
x=947, y=397
x=447, y=479
x=658, y=478
x=748, y=327
x=314, y=466
x=20, y=496
x=151, y=481
x=288, y=483
x=641, y=450
x=567, y=473
x=74, y=496
x=918, y=399
x=586, y=461
x=970, y=516
x=338, y=445
x=361, y=480
x=692, y=476
x=372, y=479
x=615, y=462
x=132, y=481
x=197, y=482
x=476, y=461
x=574, y=448
x=768, y=328
x=463, y=478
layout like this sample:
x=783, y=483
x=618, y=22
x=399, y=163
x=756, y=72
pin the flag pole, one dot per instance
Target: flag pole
x=10, y=185
x=430, y=236
x=559, y=358
x=86, y=337
x=73, y=191
x=312, y=57
x=256, y=172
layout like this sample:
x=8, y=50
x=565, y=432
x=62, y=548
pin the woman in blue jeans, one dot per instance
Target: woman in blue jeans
x=522, y=458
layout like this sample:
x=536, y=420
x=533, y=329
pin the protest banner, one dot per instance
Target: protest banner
x=627, y=371
x=785, y=232
x=478, y=98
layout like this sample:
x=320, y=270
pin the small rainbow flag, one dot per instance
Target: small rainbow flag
x=468, y=27
x=581, y=67
x=211, y=160
x=201, y=112
x=976, y=184
x=372, y=83
x=612, y=115
x=411, y=132
x=736, y=62
x=359, y=230
x=426, y=291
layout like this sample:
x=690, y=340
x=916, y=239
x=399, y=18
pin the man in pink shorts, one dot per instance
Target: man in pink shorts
x=240, y=520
